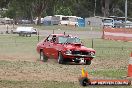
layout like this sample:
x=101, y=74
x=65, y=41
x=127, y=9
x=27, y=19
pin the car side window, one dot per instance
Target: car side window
x=49, y=38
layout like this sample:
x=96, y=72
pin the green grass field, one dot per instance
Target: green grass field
x=20, y=66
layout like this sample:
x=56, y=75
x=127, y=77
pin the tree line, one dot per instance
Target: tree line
x=29, y=9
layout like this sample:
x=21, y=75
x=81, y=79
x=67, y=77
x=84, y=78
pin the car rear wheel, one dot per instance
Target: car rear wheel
x=88, y=62
x=43, y=57
x=60, y=58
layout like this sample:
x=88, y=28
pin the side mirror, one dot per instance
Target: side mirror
x=82, y=43
x=45, y=40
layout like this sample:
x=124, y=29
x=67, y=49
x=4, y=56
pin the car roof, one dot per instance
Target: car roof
x=58, y=34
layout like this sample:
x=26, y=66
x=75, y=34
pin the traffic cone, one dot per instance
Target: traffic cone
x=130, y=66
x=84, y=73
x=84, y=80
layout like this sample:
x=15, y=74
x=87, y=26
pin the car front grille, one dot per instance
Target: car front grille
x=80, y=53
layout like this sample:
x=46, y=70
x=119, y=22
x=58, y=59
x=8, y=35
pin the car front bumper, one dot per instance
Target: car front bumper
x=78, y=55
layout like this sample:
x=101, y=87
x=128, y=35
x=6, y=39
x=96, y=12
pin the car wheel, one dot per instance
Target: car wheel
x=26, y=35
x=88, y=62
x=29, y=34
x=60, y=58
x=77, y=62
x=19, y=34
x=43, y=57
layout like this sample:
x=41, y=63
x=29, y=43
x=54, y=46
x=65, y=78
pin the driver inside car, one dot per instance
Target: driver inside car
x=54, y=39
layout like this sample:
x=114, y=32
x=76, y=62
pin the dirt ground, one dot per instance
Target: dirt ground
x=28, y=67
x=32, y=69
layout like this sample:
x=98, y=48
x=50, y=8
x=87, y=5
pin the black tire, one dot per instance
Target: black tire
x=60, y=58
x=19, y=34
x=43, y=57
x=77, y=62
x=88, y=62
x=26, y=35
x=29, y=34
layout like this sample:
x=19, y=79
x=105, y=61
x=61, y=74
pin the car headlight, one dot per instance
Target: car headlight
x=92, y=53
x=68, y=52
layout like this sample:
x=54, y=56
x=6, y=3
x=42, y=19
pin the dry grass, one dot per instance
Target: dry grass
x=20, y=66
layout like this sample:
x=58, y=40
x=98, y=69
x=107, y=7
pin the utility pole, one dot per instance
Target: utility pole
x=125, y=12
x=95, y=8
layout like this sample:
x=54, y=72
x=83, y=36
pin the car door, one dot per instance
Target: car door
x=53, y=45
x=54, y=50
x=56, y=47
x=47, y=46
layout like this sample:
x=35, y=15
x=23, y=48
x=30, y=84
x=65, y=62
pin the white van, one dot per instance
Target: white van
x=68, y=20
x=22, y=31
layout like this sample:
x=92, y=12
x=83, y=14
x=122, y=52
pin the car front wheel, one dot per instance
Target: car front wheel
x=88, y=62
x=60, y=58
x=43, y=57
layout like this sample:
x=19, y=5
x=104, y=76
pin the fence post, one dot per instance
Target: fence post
x=122, y=47
x=92, y=43
x=53, y=31
x=103, y=35
x=38, y=36
x=7, y=29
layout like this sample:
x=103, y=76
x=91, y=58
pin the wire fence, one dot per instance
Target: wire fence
x=104, y=48
x=109, y=48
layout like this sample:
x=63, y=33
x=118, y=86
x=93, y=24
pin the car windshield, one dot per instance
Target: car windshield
x=108, y=21
x=66, y=39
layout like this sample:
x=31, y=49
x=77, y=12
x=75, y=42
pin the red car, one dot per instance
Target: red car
x=65, y=48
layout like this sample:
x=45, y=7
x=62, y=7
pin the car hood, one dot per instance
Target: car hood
x=78, y=47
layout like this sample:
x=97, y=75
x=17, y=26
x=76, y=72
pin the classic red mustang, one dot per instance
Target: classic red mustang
x=64, y=48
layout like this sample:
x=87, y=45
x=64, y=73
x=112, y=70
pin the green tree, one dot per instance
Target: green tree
x=83, y=8
x=64, y=11
x=29, y=9
x=40, y=7
x=4, y=3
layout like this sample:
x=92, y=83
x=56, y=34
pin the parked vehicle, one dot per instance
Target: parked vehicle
x=108, y=22
x=64, y=48
x=68, y=20
x=117, y=22
x=25, y=31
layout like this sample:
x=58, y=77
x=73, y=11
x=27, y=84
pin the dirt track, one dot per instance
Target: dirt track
x=27, y=66
x=30, y=68
x=34, y=70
